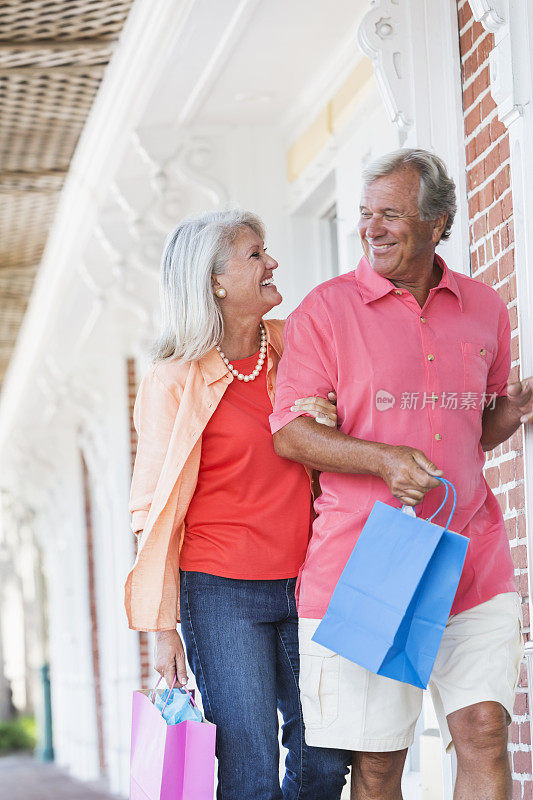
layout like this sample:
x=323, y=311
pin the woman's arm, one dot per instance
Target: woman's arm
x=154, y=415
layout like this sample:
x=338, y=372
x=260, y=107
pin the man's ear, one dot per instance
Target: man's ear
x=438, y=227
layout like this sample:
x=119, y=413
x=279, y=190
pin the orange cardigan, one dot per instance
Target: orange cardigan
x=173, y=406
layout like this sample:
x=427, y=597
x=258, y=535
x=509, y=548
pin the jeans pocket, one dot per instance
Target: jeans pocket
x=319, y=684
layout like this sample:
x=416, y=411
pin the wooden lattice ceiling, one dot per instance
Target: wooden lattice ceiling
x=53, y=54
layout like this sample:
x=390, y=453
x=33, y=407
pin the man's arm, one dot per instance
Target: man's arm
x=500, y=422
x=406, y=471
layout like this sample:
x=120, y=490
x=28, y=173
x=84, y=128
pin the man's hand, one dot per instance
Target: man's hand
x=408, y=473
x=169, y=657
x=520, y=396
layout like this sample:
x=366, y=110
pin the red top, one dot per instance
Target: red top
x=249, y=517
x=404, y=375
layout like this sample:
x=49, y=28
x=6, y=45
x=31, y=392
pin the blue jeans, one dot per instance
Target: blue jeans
x=242, y=644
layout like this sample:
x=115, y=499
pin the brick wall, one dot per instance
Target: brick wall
x=94, y=615
x=490, y=207
x=144, y=654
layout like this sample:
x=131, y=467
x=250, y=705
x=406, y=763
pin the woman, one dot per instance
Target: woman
x=209, y=490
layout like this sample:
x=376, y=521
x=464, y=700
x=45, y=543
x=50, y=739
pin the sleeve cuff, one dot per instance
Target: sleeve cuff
x=282, y=418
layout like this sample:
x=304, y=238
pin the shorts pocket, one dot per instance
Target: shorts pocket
x=319, y=684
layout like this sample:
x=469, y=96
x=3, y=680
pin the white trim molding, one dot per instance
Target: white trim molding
x=491, y=13
x=383, y=36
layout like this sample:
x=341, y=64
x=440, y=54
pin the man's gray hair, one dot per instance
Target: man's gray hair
x=199, y=247
x=437, y=190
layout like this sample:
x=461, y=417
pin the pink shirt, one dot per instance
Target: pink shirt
x=404, y=375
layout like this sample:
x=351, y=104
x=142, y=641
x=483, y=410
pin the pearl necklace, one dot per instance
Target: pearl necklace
x=260, y=361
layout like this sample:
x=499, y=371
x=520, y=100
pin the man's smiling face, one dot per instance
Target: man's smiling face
x=397, y=243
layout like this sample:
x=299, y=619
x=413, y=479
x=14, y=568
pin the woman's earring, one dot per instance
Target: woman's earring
x=221, y=292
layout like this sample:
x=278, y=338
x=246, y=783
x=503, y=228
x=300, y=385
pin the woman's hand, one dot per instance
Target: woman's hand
x=323, y=411
x=169, y=657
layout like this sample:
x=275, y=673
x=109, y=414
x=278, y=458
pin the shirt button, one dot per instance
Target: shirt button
x=431, y=357
x=422, y=319
x=482, y=352
x=397, y=291
x=435, y=397
x=438, y=437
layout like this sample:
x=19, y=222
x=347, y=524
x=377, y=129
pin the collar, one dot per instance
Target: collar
x=213, y=368
x=372, y=286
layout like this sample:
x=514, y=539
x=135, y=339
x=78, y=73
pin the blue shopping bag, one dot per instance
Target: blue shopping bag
x=392, y=601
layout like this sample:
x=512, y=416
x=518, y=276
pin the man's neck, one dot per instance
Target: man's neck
x=421, y=286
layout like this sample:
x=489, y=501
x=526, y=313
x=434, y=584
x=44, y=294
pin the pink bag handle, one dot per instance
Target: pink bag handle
x=181, y=688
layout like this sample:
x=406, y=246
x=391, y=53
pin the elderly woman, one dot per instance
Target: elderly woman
x=222, y=519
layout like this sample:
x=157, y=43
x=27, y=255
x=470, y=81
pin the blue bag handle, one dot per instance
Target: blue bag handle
x=446, y=484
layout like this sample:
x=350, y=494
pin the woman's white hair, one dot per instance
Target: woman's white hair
x=199, y=247
x=437, y=190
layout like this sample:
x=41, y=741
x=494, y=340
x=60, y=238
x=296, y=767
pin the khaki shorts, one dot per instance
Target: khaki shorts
x=346, y=706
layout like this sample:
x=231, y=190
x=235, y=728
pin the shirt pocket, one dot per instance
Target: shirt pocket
x=319, y=684
x=477, y=359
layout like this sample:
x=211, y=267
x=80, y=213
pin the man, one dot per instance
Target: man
x=419, y=357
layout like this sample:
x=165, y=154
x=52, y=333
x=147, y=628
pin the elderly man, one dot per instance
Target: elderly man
x=419, y=356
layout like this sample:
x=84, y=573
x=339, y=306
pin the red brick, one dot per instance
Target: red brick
x=520, y=704
x=482, y=81
x=496, y=243
x=514, y=732
x=502, y=181
x=496, y=215
x=515, y=348
x=522, y=762
x=525, y=734
x=519, y=554
x=484, y=48
x=528, y=790
x=481, y=256
x=516, y=441
x=492, y=161
x=487, y=106
x=521, y=529
x=473, y=205
x=506, y=264
x=488, y=249
x=465, y=15
x=486, y=195
x=492, y=476
x=489, y=275
x=497, y=129
x=475, y=175
x=466, y=40
x=517, y=790
x=470, y=148
x=504, y=151
x=473, y=261
x=504, y=236
x=477, y=30
x=516, y=498
x=510, y=527
x=480, y=227
x=513, y=376
x=472, y=120
x=482, y=141
x=525, y=612
x=507, y=471
x=507, y=206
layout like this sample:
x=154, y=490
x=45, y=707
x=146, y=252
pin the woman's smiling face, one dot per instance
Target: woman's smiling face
x=248, y=278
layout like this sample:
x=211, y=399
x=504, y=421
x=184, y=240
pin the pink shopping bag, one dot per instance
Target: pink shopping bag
x=169, y=762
